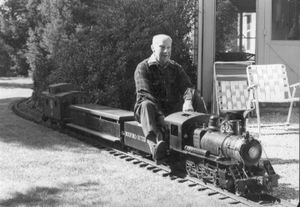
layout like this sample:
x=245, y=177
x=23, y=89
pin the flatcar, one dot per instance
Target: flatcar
x=230, y=159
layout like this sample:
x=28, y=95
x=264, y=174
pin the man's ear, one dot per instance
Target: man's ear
x=152, y=48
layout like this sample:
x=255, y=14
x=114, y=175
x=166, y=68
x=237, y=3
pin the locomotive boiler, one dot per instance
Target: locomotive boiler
x=244, y=149
x=190, y=130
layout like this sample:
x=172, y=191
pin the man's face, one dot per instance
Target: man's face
x=161, y=49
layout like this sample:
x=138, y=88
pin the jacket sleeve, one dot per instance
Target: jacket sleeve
x=186, y=86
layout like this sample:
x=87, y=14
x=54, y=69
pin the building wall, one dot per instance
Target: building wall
x=271, y=50
x=206, y=49
x=267, y=51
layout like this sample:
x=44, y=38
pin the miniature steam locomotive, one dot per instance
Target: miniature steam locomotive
x=230, y=159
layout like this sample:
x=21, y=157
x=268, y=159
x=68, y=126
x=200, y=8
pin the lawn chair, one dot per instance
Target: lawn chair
x=231, y=89
x=269, y=84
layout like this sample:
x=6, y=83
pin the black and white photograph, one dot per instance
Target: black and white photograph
x=149, y=103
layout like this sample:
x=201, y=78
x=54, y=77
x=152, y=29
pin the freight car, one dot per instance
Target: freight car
x=229, y=159
x=56, y=100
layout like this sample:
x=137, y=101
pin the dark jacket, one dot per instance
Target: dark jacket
x=166, y=86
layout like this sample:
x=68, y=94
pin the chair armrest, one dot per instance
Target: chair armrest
x=247, y=112
x=294, y=85
x=252, y=86
x=252, y=93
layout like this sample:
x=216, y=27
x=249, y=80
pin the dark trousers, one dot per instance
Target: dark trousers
x=152, y=119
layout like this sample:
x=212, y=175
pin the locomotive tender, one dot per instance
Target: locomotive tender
x=229, y=159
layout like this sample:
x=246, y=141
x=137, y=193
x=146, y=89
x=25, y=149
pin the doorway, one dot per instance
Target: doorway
x=235, y=30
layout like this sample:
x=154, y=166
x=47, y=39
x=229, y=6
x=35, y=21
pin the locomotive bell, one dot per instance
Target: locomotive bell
x=234, y=123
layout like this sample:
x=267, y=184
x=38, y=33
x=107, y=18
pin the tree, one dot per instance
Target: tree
x=103, y=54
x=4, y=59
x=14, y=33
x=96, y=44
x=49, y=27
x=226, y=26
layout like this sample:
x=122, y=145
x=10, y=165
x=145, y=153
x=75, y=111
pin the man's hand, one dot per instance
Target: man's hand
x=187, y=106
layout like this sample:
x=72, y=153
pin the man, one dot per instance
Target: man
x=162, y=88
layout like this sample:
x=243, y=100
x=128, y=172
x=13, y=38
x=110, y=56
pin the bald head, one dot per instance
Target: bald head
x=161, y=48
x=161, y=37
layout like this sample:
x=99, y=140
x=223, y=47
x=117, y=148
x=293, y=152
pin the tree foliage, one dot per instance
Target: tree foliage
x=95, y=44
x=13, y=35
x=226, y=26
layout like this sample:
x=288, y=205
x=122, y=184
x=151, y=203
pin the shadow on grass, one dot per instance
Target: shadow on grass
x=278, y=161
x=284, y=191
x=53, y=196
x=275, y=115
x=19, y=131
x=33, y=197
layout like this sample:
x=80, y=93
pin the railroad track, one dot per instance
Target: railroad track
x=166, y=171
x=211, y=190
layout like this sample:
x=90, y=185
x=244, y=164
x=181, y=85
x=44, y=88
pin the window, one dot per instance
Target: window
x=285, y=19
x=174, y=130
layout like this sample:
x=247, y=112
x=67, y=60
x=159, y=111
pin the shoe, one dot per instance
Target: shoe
x=160, y=151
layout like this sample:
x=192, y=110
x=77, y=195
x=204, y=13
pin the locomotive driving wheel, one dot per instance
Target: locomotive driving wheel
x=190, y=168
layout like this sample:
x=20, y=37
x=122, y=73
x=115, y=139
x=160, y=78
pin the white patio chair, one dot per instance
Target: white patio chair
x=269, y=84
x=231, y=92
x=231, y=87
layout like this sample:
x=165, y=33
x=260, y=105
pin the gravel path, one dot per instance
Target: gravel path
x=42, y=167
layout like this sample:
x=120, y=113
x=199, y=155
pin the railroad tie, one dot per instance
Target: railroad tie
x=151, y=167
x=124, y=156
x=213, y=193
x=143, y=165
x=223, y=198
x=156, y=170
x=182, y=180
x=165, y=174
x=234, y=202
x=129, y=159
x=202, y=188
x=112, y=152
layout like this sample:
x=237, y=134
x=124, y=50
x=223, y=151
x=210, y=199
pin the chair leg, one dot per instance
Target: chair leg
x=258, y=116
x=289, y=113
x=246, y=123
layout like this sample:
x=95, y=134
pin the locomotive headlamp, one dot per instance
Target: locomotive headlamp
x=251, y=152
x=254, y=152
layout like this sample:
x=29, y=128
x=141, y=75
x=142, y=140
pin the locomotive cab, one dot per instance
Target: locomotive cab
x=181, y=128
